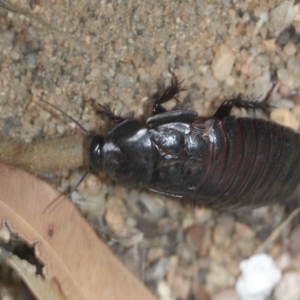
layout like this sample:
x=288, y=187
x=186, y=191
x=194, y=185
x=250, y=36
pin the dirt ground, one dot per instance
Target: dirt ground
x=118, y=52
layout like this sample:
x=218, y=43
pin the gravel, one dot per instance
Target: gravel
x=117, y=52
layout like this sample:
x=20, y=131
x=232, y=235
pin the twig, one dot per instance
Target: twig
x=276, y=232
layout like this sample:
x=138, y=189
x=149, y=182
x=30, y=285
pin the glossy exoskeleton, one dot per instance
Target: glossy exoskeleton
x=220, y=161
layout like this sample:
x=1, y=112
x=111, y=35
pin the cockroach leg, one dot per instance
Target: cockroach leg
x=243, y=102
x=274, y=83
x=226, y=107
x=105, y=110
x=168, y=94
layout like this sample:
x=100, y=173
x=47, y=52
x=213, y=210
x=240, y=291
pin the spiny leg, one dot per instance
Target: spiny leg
x=274, y=83
x=168, y=94
x=225, y=108
x=243, y=102
x=105, y=110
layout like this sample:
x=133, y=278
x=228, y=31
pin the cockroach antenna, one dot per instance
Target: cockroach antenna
x=68, y=116
x=63, y=195
x=58, y=200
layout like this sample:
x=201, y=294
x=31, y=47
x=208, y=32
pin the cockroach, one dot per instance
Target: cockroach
x=223, y=162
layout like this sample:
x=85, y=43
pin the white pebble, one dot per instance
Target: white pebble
x=164, y=291
x=259, y=277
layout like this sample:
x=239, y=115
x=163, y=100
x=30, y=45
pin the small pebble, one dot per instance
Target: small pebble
x=230, y=80
x=286, y=77
x=289, y=287
x=290, y=49
x=154, y=254
x=129, y=237
x=95, y=73
x=262, y=85
x=222, y=62
x=123, y=80
x=4, y=234
x=284, y=261
x=94, y=185
x=154, y=205
x=202, y=214
x=218, y=278
x=157, y=270
x=195, y=235
x=223, y=231
x=285, y=91
x=270, y=44
x=208, y=81
x=245, y=238
x=288, y=104
x=264, y=16
x=114, y=215
x=281, y=17
x=45, y=115
x=15, y=55
x=164, y=291
x=254, y=70
x=243, y=231
x=284, y=117
x=181, y=286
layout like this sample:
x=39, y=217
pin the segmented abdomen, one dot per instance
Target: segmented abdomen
x=231, y=163
x=253, y=162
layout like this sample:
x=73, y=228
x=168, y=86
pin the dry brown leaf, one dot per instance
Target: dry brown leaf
x=77, y=262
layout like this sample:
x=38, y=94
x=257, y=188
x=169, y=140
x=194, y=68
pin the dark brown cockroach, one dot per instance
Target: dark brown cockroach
x=220, y=161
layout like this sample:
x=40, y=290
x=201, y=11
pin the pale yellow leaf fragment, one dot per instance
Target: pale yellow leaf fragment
x=42, y=289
